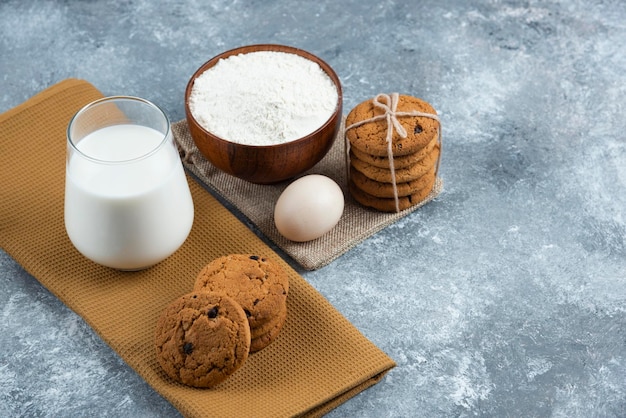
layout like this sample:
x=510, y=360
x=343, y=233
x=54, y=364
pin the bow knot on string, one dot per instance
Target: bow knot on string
x=389, y=105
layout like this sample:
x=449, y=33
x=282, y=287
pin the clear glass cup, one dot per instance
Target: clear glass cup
x=127, y=201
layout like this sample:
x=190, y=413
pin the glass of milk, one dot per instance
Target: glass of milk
x=127, y=201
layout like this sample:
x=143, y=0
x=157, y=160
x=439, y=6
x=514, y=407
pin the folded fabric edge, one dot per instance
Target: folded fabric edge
x=333, y=403
x=358, y=239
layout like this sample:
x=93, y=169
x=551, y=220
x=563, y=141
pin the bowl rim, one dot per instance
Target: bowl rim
x=276, y=48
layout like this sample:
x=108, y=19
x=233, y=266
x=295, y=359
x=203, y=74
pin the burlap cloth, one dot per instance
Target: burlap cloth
x=318, y=361
x=256, y=202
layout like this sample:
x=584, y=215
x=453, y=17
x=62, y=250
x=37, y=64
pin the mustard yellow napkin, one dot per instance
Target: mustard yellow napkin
x=318, y=361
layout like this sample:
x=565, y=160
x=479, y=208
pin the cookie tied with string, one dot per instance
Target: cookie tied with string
x=393, y=148
x=370, y=138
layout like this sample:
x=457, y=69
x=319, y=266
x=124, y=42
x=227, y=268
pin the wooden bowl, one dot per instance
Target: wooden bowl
x=265, y=164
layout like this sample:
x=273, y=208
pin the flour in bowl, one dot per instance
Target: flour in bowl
x=263, y=98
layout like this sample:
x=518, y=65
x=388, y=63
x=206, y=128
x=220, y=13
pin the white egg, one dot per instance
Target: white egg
x=308, y=208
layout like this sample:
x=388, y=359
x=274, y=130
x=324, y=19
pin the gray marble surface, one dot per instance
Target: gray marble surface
x=505, y=297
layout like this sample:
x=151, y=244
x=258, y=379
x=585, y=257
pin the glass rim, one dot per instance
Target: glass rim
x=113, y=99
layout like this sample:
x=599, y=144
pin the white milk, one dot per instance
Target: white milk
x=127, y=215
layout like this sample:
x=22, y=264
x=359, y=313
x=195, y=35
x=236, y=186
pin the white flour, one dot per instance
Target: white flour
x=263, y=98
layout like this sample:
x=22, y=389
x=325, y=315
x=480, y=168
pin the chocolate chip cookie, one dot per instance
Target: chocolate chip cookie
x=258, y=284
x=202, y=338
x=370, y=138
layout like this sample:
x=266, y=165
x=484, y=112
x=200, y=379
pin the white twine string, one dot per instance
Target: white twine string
x=389, y=104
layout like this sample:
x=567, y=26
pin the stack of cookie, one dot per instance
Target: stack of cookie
x=238, y=306
x=415, y=156
x=258, y=285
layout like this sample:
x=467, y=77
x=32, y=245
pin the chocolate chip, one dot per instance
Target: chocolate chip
x=254, y=257
x=212, y=313
x=418, y=129
x=255, y=302
x=188, y=348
